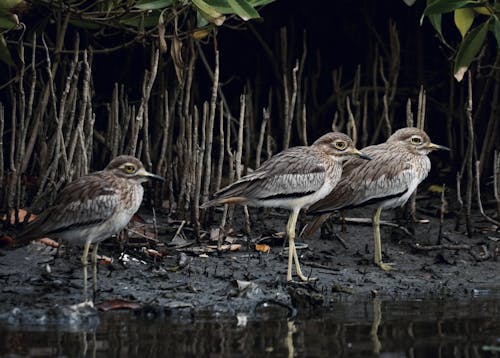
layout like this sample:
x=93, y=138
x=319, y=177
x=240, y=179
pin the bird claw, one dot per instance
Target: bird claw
x=385, y=266
x=306, y=279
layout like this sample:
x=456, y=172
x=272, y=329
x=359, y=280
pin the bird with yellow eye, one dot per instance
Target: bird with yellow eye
x=293, y=179
x=388, y=180
x=92, y=208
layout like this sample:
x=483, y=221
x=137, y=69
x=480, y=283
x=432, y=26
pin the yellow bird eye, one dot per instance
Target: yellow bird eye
x=129, y=169
x=416, y=139
x=340, y=144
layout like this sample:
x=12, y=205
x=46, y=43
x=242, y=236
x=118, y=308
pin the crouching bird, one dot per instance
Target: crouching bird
x=92, y=208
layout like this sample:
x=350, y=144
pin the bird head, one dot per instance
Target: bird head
x=129, y=167
x=339, y=146
x=415, y=140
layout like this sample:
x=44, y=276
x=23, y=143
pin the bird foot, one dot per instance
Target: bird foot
x=82, y=305
x=303, y=278
x=386, y=266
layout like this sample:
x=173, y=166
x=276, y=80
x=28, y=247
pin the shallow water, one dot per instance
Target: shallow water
x=426, y=328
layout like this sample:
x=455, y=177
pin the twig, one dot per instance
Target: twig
x=385, y=115
x=479, y=202
x=441, y=215
x=351, y=122
x=210, y=130
x=199, y=167
x=366, y=221
x=289, y=105
x=220, y=162
x=422, y=99
x=496, y=180
x=262, y=133
x=239, y=153
x=440, y=247
x=470, y=152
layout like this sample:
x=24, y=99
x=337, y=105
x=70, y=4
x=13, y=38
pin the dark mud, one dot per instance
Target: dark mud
x=191, y=277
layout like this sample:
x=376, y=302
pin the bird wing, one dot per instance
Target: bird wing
x=83, y=202
x=294, y=172
x=387, y=175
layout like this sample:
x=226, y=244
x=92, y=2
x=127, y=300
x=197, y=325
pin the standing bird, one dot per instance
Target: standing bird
x=93, y=208
x=292, y=179
x=389, y=179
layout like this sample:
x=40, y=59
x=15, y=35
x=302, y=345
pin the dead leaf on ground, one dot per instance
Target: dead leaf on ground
x=117, y=305
x=48, y=242
x=104, y=260
x=153, y=253
x=214, y=234
x=262, y=248
x=232, y=247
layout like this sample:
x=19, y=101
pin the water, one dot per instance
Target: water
x=468, y=328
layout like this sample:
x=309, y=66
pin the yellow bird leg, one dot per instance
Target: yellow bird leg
x=84, y=265
x=290, y=233
x=292, y=250
x=378, y=243
x=94, y=270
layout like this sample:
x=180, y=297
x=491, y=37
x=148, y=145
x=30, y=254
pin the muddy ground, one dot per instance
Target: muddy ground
x=178, y=274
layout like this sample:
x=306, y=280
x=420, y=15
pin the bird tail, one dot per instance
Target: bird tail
x=30, y=232
x=222, y=201
x=312, y=226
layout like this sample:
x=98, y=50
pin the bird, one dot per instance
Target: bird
x=397, y=167
x=92, y=208
x=292, y=179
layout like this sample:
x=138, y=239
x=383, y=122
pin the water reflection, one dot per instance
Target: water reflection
x=396, y=329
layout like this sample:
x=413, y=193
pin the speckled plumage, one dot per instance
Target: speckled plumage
x=93, y=207
x=389, y=179
x=292, y=179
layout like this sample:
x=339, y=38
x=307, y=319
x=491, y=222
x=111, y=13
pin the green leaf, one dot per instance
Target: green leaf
x=9, y=4
x=464, y=19
x=206, y=8
x=444, y=6
x=496, y=32
x=209, y=12
x=469, y=48
x=4, y=52
x=243, y=9
x=142, y=20
x=435, y=21
x=221, y=6
x=200, y=20
x=256, y=3
x=7, y=20
x=153, y=4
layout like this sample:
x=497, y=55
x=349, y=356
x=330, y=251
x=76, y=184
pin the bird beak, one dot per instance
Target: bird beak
x=360, y=154
x=433, y=146
x=146, y=174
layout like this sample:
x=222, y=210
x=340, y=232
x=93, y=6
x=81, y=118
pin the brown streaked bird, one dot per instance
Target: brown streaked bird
x=92, y=208
x=389, y=179
x=292, y=179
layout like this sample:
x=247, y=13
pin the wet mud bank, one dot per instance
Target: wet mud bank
x=179, y=276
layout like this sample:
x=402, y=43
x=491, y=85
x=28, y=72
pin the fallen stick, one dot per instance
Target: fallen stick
x=368, y=221
x=440, y=247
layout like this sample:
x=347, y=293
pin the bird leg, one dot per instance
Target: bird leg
x=94, y=270
x=377, y=242
x=292, y=251
x=290, y=233
x=84, y=265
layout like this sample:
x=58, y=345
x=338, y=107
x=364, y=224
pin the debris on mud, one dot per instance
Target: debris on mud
x=178, y=273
